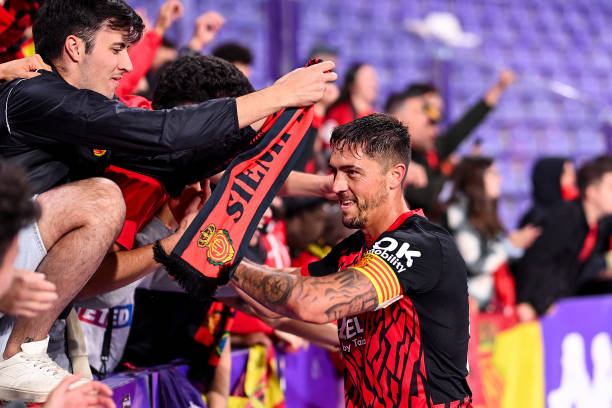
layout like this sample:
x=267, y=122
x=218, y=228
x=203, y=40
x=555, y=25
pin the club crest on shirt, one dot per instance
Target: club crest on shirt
x=99, y=152
x=218, y=244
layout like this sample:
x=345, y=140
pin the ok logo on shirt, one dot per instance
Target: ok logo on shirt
x=401, y=259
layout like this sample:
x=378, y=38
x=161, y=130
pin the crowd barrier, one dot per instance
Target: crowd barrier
x=563, y=360
x=307, y=379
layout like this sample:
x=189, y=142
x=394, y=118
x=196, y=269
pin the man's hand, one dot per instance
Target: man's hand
x=190, y=202
x=90, y=394
x=206, y=28
x=30, y=293
x=506, y=78
x=169, y=12
x=22, y=68
x=327, y=188
x=144, y=15
x=294, y=343
x=302, y=87
x=305, y=86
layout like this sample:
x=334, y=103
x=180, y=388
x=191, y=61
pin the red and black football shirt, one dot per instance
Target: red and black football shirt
x=412, y=350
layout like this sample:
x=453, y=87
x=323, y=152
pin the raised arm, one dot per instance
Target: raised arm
x=301, y=87
x=301, y=184
x=311, y=299
x=54, y=110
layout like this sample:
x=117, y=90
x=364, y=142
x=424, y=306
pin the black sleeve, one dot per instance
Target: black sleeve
x=447, y=142
x=48, y=110
x=342, y=256
x=178, y=169
x=325, y=266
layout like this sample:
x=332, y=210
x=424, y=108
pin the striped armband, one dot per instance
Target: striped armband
x=382, y=277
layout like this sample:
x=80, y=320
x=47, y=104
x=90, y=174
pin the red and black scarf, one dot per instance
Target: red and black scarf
x=214, y=243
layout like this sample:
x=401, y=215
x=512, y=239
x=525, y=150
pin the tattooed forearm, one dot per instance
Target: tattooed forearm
x=277, y=289
x=314, y=299
x=368, y=301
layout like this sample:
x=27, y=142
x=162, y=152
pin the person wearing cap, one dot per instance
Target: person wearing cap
x=431, y=147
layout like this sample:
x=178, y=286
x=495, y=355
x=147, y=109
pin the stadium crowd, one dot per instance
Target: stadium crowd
x=112, y=140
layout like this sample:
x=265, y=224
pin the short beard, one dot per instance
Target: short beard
x=362, y=217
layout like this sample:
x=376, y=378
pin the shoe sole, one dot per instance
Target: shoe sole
x=12, y=394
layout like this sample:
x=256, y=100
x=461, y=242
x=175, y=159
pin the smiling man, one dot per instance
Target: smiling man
x=397, y=287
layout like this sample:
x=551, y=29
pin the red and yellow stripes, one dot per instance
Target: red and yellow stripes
x=382, y=277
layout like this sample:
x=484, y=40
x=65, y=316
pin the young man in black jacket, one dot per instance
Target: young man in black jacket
x=557, y=263
x=431, y=148
x=65, y=127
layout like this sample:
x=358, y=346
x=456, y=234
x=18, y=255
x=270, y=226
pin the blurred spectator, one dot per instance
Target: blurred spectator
x=472, y=218
x=553, y=181
x=144, y=53
x=16, y=17
x=324, y=52
x=163, y=51
x=22, y=293
x=409, y=108
x=316, y=247
x=237, y=54
x=305, y=222
x=598, y=267
x=314, y=159
x=554, y=267
x=357, y=95
x=431, y=148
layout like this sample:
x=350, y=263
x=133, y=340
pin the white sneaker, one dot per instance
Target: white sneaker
x=30, y=375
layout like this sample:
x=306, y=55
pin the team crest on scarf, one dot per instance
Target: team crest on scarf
x=99, y=152
x=219, y=244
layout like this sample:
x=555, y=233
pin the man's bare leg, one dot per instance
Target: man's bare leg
x=79, y=222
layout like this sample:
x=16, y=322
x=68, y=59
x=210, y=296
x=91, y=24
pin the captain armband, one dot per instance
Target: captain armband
x=382, y=277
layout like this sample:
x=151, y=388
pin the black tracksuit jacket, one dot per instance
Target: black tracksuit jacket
x=60, y=134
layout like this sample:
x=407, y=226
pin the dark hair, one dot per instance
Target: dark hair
x=546, y=180
x=322, y=49
x=380, y=136
x=233, y=52
x=592, y=172
x=349, y=80
x=198, y=79
x=396, y=99
x=168, y=43
x=17, y=209
x=468, y=180
x=57, y=19
x=420, y=89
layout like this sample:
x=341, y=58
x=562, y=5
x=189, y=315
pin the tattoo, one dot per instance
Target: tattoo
x=345, y=293
x=277, y=289
x=352, y=295
x=28, y=340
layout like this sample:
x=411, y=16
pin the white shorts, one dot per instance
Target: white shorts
x=31, y=248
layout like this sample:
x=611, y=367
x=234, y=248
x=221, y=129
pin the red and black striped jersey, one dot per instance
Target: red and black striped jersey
x=412, y=350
